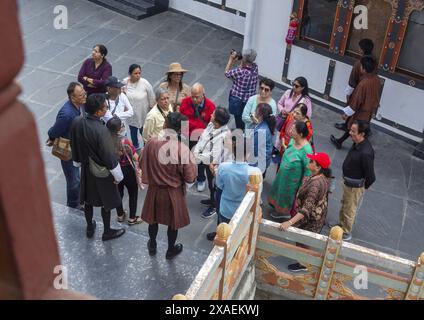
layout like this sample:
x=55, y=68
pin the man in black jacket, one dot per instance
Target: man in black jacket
x=358, y=175
x=93, y=150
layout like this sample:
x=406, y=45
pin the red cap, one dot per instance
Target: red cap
x=321, y=158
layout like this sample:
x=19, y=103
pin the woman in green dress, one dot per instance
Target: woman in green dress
x=294, y=166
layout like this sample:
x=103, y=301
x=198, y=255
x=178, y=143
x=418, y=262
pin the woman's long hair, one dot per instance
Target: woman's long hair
x=114, y=125
x=265, y=111
x=303, y=83
x=168, y=79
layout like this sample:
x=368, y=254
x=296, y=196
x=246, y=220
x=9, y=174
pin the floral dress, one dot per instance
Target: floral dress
x=312, y=203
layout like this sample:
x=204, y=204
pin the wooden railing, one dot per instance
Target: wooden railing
x=233, y=250
x=336, y=270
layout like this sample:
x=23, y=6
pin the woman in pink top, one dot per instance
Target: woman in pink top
x=292, y=97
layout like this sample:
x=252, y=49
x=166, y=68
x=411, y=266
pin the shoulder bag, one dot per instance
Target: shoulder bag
x=96, y=170
x=136, y=167
x=62, y=149
x=280, y=118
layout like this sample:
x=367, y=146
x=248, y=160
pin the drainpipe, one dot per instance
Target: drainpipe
x=249, y=23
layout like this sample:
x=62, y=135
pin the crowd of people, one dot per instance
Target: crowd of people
x=126, y=135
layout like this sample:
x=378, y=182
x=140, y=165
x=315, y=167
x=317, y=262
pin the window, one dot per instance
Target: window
x=379, y=12
x=318, y=20
x=412, y=52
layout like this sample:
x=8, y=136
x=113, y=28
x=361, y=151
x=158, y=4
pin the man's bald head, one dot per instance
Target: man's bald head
x=197, y=93
x=197, y=88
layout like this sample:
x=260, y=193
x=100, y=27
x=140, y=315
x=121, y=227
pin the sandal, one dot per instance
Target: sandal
x=121, y=218
x=134, y=221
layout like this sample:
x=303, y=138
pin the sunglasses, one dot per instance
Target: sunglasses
x=295, y=85
x=265, y=89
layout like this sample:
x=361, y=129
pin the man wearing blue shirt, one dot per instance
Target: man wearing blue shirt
x=231, y=181
x=70, y=110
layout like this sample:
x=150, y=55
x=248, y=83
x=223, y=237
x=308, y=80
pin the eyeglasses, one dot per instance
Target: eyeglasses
x=265, y=89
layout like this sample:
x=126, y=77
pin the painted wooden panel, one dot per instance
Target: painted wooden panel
x=374, y=257
x=235, y=243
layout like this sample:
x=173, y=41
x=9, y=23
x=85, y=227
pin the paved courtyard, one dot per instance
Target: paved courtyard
x=391, y=216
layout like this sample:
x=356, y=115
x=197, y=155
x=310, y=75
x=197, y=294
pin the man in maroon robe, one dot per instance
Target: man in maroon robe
x=364, y=101
x=168, y=167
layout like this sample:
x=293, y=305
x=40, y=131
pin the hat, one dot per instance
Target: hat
x=321, y=158
x=113, y=82
x=175, y=67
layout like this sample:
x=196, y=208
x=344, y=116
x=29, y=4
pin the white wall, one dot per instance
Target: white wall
x=213, y=15
x=399, y=103
x=270, y=25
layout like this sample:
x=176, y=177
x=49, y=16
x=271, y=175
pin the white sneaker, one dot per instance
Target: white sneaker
x=201, y=186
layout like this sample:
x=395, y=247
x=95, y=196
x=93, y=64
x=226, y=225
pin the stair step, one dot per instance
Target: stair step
x=136, y=9
x=138, y=4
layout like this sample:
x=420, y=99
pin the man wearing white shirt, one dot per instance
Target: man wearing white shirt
x=93, y=150
x=117, y=102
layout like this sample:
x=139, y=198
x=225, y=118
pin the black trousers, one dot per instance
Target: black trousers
x=211, y=183
x=346, y=134
x=88, y=209
x=130, y=182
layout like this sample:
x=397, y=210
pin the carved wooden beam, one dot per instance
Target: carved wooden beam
x=416, y=287
x=341, y=26
x=398, y=23
x=334, y=245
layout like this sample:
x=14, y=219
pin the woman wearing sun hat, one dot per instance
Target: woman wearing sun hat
x=312, y=199
x=177, y=90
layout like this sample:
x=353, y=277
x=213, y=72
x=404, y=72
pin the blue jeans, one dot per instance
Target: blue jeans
x=72, y=175
x=221, y=218
x=134, y=136
x=236, y=108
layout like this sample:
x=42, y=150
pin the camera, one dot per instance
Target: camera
x=239, y=56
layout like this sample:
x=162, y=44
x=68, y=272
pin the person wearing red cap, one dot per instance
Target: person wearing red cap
x=312, y=199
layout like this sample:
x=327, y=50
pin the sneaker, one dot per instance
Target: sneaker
x=112, y=234
x=206, y=202
x=297, y=267
x=201, y=186
x=151, y=246
x=211, y=236
x=178, y=248
x=347, y=236
x=335, y=142
x=90, y=230
x=209, y=213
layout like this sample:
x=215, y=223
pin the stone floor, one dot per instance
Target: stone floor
x=391, y=216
